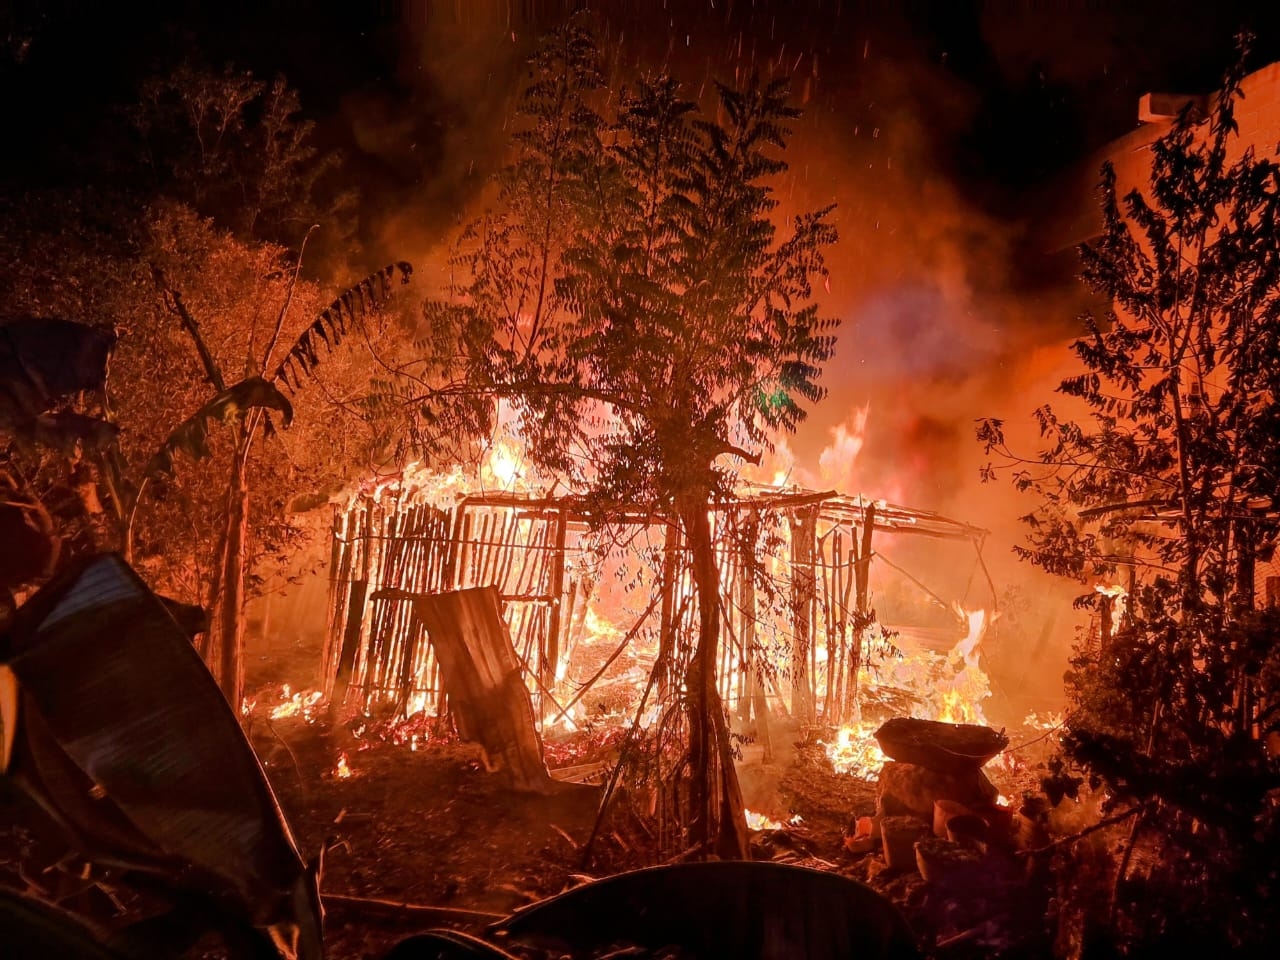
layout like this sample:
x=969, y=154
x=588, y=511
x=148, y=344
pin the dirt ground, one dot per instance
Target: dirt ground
x=424, y=838
x=431, y=827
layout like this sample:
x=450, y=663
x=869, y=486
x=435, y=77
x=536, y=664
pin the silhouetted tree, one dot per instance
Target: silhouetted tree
x=180, y=257
x=631, y=298
x=1172, y=479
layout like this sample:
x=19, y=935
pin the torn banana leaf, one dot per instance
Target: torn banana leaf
x=192, y=435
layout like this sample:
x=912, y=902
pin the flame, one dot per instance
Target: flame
x=967, y=648
x=1117, y=593
x=342, y=771
x=856, y=752
x=758, y=821
x=417, y=703
x=838, y=462
x=503, y=464
x=302, y=703
x=951, y=690
x=953, y=684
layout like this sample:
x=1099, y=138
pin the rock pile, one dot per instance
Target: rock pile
x=936, y=811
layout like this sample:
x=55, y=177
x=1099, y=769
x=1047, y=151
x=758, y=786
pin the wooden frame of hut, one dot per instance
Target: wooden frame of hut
x=389, y=549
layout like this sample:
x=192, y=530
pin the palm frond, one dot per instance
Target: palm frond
x=331, y=326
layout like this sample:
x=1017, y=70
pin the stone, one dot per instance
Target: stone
x=910, y=788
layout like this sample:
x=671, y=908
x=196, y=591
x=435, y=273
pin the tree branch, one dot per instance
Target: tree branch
x=174, y=301
x=284, y=307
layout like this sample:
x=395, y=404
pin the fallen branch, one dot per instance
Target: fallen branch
x=1100, y=825
x=399, y=911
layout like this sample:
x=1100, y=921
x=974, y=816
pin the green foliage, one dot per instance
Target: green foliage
x=630, y=294
x=1171, y=477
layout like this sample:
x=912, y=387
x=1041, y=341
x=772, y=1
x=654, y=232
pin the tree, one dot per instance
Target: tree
x=44, y=364
x=236, y=149
x=1172, y=479
x=631, y=299
x=227, y=324
x=203, y=309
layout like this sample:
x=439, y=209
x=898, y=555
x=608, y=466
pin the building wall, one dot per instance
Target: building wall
x=1073, y=214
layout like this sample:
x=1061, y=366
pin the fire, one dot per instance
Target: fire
x=612, y=637
x=342, y=771
x=838, y=462
x=758, y=821
x=1118, y=594
x=856, y=752
x=503, y=464
x=951, y=690
x=302, y=703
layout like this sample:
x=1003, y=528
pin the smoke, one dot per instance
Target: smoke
x=429, y=138
x=950, y=312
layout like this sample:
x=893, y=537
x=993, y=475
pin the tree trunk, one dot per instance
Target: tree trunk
x=226, y=633
x=717, y=817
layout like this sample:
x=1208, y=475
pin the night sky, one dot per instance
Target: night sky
x=1007, y=93
x=939, y=129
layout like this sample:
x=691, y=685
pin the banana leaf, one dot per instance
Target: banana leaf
x=192, y=435
x=42, y=360
x=118, y=730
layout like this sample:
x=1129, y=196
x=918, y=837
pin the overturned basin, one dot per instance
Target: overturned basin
x=957, y=748
x=750, y=911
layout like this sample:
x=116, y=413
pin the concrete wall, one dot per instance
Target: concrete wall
x=1072, y=211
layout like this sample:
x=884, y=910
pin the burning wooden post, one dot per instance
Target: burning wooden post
x=351, y=586
x=803, y=591
x=862, y=610
x=556, y=623
x=755, y=704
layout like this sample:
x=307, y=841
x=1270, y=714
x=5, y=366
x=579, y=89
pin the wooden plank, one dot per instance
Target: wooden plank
x=490, y=702
x=803, y=533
